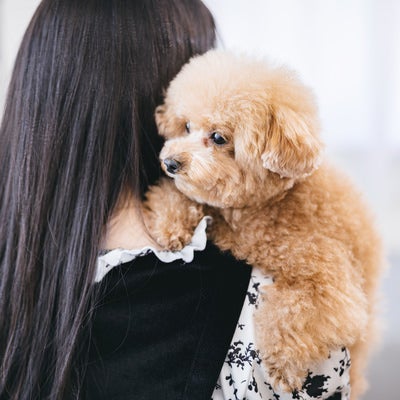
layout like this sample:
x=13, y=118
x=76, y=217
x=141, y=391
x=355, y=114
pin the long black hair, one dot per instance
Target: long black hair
x=77, y=132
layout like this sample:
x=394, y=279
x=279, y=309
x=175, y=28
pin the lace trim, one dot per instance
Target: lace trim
x=106, y=262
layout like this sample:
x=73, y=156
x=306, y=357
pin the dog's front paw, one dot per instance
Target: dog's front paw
x=289, y=347
x=170, y=217
x=173, y=241
x=284, y=376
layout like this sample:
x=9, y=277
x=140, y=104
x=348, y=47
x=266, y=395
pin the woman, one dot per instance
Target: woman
x=77, y=138
x=78, y=150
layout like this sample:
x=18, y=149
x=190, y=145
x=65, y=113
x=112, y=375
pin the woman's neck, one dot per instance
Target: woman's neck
x=126, y=229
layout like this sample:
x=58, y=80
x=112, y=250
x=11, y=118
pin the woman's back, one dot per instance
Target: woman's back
x=162, y=330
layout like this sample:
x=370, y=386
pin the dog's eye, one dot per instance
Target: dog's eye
x=187, y=127
x=217, y=138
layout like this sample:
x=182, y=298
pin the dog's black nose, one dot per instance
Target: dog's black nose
x=172, y=165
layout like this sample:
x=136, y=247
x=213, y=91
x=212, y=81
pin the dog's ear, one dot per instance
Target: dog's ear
x=168, y=125
x=293, y=148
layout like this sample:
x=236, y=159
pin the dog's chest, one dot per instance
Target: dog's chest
x=250, y=235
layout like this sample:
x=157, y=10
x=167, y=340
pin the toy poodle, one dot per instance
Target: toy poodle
x=242, y=145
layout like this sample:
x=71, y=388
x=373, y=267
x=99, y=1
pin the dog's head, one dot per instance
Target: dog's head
x=237, y=131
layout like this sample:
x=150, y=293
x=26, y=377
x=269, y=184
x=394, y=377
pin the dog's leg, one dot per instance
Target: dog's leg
x=170, y=217
x=316, y=304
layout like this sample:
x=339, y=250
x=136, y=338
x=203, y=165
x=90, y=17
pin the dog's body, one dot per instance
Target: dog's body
x=242, y=139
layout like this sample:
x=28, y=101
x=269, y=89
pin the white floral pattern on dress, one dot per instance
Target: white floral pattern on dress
x=243, y=376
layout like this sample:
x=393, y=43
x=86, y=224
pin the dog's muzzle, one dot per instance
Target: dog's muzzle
x=172, y=166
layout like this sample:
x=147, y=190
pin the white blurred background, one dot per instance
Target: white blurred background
x=348, y=51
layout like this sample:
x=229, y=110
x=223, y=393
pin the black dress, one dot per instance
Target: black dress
x=162, y=330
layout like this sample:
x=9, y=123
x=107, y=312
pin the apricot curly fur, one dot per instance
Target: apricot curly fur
x=275, y=204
